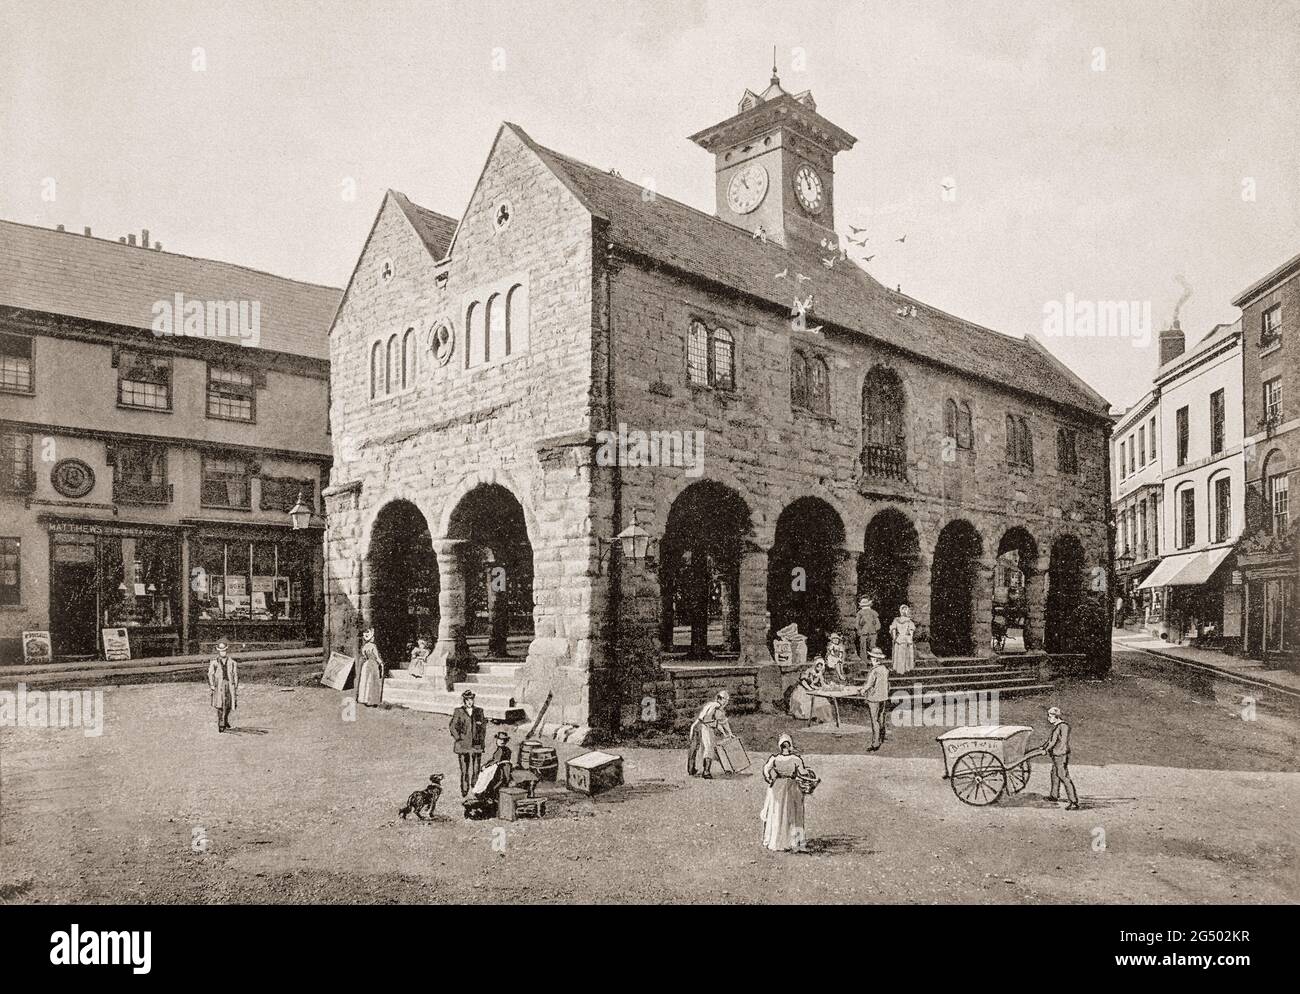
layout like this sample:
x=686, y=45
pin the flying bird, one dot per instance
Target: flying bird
x=854, y=241
x=815, y=329
x=856, y=231
x=783, y=273
x=802, y=278
x=868, y=258
x=946, y=186
x=901, y=240
x=828, y=263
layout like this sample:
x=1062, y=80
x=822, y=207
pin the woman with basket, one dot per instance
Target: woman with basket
x=788, y=781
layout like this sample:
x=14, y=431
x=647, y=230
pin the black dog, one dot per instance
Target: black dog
x=421, y=799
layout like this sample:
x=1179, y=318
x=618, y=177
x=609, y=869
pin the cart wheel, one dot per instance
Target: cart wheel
x=1017, y=777
x=978, y=778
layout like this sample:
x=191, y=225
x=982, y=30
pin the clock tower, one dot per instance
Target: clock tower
x=774, y=160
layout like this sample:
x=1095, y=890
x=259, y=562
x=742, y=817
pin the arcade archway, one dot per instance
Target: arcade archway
x=801, y=571
x=403, y=581
x=699, y=575
x=891, y=551
x=1065, y=595
x=496, y=566
x=954, y=589
x=1014, y=573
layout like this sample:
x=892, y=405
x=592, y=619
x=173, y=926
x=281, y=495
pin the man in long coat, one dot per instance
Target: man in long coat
x=468, y=729
x=223, y=682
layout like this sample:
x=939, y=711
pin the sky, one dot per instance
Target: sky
x=1093, y=152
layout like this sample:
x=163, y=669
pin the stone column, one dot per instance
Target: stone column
x=1036, y=604
x=981, y=606
x=498, y=604
x=754, y=625
x=918, y=595
x=845, y=590
x=451, y=658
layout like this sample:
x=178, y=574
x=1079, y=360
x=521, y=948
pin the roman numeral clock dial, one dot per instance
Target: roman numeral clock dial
x=808, y=189
x=747, y=188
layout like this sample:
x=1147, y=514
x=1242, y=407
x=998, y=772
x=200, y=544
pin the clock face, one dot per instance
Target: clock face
x=808, y=188
x=747, y=188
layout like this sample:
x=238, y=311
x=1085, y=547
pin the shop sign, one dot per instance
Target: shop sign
x=117, y=645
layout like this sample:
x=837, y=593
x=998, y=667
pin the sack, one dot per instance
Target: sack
x=732, y=756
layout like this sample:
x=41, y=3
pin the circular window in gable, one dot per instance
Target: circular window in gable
x=442, y=342
x=72, y=478
x=502, y=216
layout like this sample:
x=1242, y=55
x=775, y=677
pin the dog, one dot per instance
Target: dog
x=422, y=799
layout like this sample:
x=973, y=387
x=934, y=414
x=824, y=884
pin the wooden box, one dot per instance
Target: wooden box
x=594, y=772
x=508, y=801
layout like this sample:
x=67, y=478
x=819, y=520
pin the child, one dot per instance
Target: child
x=419, y=656
x=903, y=630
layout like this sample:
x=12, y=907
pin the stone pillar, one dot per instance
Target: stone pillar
x=498, y=605
x=981, y=598
x=451, y=658
x=918, y=595
x=1036, y=604
x=845, y=591
x=754, y=625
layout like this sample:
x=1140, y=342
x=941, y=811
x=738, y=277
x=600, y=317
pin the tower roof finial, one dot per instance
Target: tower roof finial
x=775, y=79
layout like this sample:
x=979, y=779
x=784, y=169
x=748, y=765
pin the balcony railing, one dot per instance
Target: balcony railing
x=884, y=462
x=140, y=492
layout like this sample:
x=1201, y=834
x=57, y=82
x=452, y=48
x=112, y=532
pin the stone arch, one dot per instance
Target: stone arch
x=476, y=478
x=804, y=570
x=760, y=532
x=888, y=565
x=956, y=589
x=401, y=585
x=704, y=540
x=1017, y=590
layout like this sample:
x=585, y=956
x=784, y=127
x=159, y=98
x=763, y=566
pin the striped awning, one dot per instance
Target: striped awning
x=1187, y=570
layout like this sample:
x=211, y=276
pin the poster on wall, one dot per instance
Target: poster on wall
x=37, y=647
x=117, y=646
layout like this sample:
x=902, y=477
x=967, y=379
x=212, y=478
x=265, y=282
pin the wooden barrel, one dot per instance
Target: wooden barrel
x=541, y=759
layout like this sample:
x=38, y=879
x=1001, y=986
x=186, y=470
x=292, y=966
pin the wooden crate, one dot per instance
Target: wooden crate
x=594, y=772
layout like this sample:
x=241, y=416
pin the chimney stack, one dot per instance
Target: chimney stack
x=59, y=228
x=1172, y=343
x=86, y=231
x=144, y=237
x=130, y=239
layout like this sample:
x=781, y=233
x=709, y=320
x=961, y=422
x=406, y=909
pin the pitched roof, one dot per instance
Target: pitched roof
x=845, y=295
x=58, y=272
x=434, y=229
x=1265, y=283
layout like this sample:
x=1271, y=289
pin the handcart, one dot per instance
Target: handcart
x=984, y=762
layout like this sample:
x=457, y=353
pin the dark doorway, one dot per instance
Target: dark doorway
x=699, y=577
x=403, y=581
x=74, y=606
x=890, y=553
x=953, y=589
x=801, y=571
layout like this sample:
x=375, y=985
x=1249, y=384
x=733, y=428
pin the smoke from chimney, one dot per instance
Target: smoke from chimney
x=1187, y=293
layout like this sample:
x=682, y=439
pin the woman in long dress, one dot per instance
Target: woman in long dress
x=903, y=631
x=370, y=680
x=802, y=703
x=783, y=808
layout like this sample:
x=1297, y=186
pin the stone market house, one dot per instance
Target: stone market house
x=862, y=440
x=146, y=476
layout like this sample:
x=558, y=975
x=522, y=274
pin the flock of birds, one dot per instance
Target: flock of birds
x=857, y=238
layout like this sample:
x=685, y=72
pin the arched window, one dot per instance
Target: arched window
x=516, y=319
x=950, y=419
x=965, y=427
x=1218, y=499
x=1185, y=516
x=408, y=359
x=392, y=370
x=1020, y=442
x=473, y=334
x=376, y=369
x=697, y=354
x=723, y=351
x=798, y=379
x=496, y=348
x=819, y=386
x=884, y=441
x=1067, y=452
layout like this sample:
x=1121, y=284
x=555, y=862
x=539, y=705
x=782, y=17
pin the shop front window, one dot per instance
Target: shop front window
x=139, y=581
x=248, y=581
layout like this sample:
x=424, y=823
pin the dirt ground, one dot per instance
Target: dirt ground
x=1182, y=801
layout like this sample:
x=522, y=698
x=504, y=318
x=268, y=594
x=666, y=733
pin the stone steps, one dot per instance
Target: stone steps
x=493, y=686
